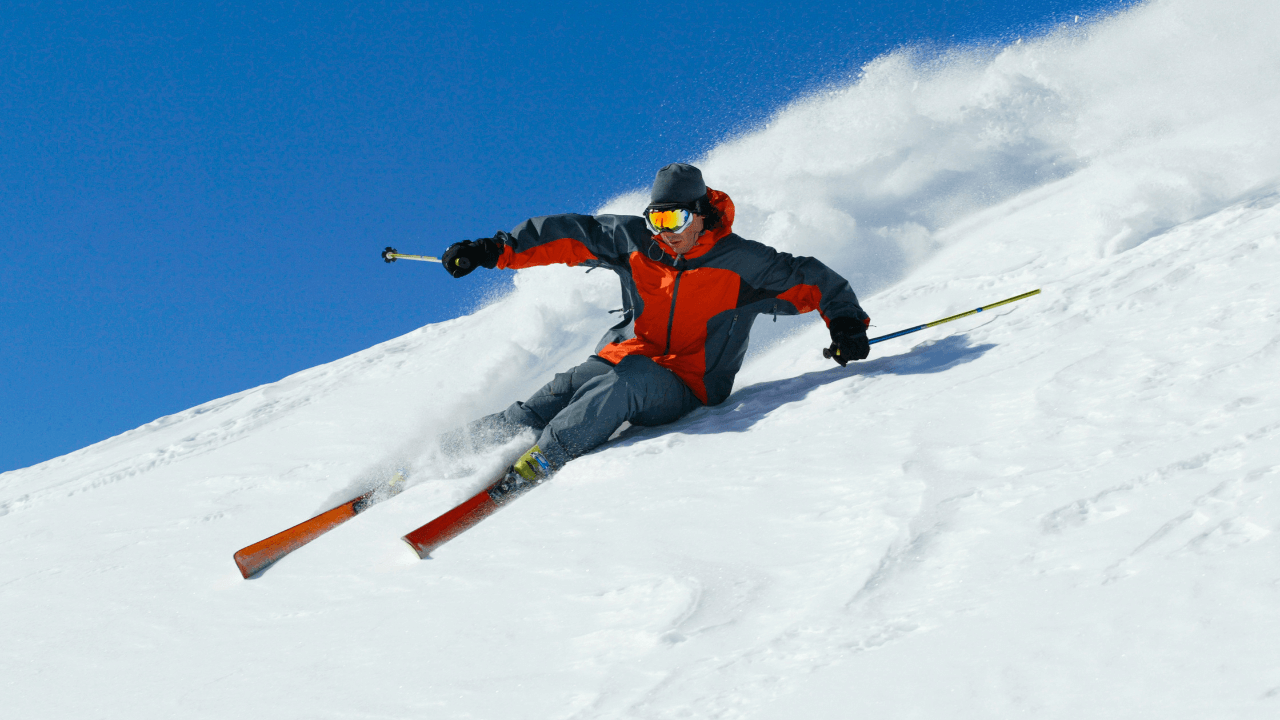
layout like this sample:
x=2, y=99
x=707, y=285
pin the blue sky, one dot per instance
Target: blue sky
x=193, y=195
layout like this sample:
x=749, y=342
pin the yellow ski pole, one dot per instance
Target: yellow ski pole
x=827, y=352
x=390, y=255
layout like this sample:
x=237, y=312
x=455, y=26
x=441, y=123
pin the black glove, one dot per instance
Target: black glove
x=463, y=257
x=848, y=341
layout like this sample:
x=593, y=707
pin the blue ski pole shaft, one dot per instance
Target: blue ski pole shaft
x=975, y=311
x=826, y=352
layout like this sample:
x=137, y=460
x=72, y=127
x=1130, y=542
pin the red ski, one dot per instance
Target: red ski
x=480, y=506
x=255, y=558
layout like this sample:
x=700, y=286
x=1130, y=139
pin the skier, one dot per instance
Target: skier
x=691, y=289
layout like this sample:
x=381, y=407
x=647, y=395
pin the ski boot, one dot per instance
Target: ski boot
x=530, y=471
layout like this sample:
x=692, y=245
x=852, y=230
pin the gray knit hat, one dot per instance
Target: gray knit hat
x=677, y=183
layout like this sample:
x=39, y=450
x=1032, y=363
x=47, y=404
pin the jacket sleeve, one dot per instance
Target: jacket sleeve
x=802, y=284
x=566, y=239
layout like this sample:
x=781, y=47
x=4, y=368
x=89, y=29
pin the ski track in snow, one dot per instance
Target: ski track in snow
x=1065, y=507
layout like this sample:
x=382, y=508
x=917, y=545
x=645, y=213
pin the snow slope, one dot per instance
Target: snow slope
x=1064, y=508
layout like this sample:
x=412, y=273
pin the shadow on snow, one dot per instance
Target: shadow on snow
x=747, y=406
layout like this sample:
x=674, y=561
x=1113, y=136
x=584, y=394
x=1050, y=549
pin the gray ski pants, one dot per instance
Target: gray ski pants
x=579, y=409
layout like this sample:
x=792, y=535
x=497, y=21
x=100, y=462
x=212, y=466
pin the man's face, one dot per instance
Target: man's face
x=681, y=243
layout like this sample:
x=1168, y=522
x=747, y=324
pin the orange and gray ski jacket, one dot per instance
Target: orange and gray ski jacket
x=691, y=314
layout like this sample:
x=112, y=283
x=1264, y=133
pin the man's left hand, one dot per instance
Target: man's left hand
x=848, y=340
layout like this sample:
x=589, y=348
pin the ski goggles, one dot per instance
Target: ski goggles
x=672, y=220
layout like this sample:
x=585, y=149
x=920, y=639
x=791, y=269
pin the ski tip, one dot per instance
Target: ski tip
x=249, y=565
x=423, y=553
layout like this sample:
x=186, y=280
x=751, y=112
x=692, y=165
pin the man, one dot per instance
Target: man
x=690, y=292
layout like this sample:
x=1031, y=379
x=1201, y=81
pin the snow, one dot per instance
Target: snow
x=1066, y=507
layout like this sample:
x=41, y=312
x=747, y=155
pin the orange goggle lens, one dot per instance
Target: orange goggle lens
x=674, y=220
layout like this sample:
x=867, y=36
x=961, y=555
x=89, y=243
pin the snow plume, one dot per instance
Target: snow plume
x=1066, y=510
x=1168, y=109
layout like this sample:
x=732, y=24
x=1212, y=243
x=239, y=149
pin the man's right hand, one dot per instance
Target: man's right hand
x=463, y=257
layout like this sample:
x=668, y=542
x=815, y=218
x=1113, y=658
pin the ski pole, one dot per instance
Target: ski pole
x=826, y=352
x=390, y=255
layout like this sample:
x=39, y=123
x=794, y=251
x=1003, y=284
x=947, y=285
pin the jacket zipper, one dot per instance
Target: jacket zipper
x=671, y=317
